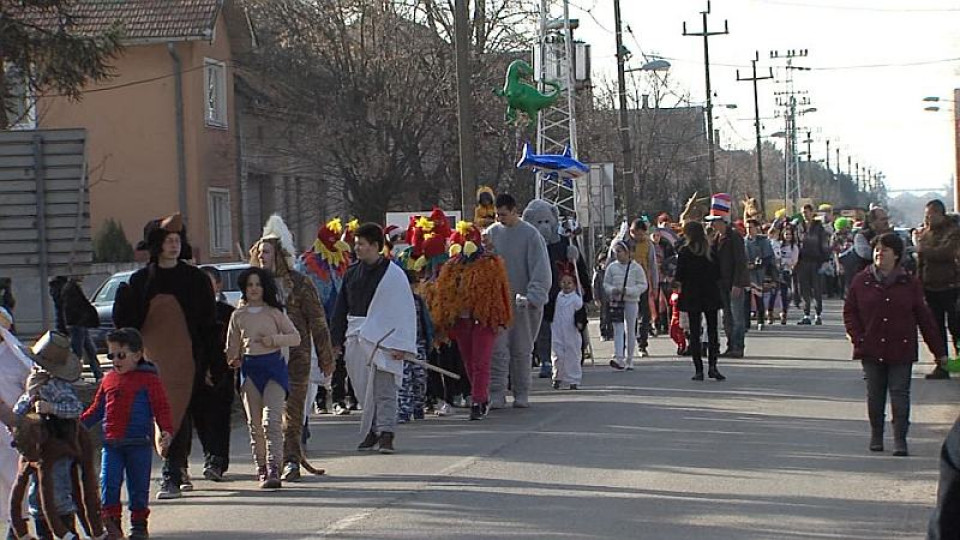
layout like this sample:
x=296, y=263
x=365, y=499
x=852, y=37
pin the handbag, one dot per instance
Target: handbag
x=616, y=306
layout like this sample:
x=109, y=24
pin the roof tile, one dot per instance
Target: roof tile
x=142, y=20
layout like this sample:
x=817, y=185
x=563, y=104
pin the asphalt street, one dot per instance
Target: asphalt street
x=778, y=450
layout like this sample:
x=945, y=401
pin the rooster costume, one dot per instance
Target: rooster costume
x=471, y=304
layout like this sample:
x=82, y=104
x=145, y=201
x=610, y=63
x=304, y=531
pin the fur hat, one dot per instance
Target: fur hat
x=52, y=353
x=156, y=231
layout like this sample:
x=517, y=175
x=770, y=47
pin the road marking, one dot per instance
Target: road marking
x=451, y=470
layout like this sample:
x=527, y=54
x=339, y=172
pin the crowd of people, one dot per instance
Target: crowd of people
x=397, y=324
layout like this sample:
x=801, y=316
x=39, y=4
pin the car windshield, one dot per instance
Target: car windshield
x=108, y=291
x=229, y=278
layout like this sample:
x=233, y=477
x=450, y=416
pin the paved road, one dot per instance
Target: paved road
x=776, y=451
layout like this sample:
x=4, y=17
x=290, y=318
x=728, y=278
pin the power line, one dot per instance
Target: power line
x=904, y=64
x=835, y=7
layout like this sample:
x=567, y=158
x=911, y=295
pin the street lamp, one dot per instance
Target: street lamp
x=653, y=65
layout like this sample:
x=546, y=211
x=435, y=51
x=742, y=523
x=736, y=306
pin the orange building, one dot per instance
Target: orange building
x=161, y=134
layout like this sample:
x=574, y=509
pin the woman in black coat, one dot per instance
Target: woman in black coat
x=698, y=275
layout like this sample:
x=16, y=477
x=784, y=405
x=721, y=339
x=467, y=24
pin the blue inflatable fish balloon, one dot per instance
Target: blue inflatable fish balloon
x=564, y=165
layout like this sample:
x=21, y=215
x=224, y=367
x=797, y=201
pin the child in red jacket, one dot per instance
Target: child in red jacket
x=128, y=401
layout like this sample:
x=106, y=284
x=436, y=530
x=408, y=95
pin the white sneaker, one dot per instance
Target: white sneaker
x=443, y=409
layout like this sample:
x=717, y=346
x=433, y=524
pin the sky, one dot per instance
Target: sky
x=875, y=114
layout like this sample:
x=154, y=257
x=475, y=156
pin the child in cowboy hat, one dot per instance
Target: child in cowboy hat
x=50, y=393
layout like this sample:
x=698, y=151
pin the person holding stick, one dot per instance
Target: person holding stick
x=374, y=323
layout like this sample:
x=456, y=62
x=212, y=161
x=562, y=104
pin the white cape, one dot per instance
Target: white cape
x=391, y=309
x=14, y=368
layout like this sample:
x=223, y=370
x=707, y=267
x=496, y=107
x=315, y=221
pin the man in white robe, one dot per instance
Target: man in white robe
x=375, y=323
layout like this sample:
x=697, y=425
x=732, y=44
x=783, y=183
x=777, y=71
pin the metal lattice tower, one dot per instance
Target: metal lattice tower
x=557, y=125
x=791, y=99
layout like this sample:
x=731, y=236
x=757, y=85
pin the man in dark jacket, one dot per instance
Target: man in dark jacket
x=80, y=316
x=938, y=266
x=734, y=279
x=814, y=251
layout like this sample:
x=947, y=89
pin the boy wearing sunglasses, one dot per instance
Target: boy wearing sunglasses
x=130, y=399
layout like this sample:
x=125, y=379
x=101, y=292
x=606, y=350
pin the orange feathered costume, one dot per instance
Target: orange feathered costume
x=472, y=283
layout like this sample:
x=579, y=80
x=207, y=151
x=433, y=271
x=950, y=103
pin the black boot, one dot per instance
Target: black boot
x=138, y=529
x=698, y=368
x=900, y=439
x=713, y=373
x=876, y=439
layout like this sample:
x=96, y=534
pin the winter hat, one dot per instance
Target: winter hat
x=719, y=208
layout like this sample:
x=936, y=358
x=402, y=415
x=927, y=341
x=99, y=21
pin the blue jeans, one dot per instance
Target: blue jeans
x=62, y=490
x=132, y=461
x=734, y=320
x=82, y=346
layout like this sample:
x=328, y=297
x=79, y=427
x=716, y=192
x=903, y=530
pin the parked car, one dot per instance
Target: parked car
x=106, y=293
x=229, y=272
x=102, y=299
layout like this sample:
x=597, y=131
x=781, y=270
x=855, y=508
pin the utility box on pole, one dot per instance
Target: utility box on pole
x=44, y=218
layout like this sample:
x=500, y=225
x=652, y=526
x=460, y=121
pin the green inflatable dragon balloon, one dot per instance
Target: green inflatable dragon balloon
x=523, y=96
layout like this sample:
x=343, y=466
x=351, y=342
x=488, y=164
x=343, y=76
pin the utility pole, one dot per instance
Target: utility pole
x=827, y=164
x=705, y=34
x=468, y=168
x=627, y=173
x=792, y=192
x=756, y=124
x=839, y=172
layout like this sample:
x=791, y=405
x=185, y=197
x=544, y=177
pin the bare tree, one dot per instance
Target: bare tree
x=367, y=91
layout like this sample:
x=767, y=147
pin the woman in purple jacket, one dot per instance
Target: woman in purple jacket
x=881, y=314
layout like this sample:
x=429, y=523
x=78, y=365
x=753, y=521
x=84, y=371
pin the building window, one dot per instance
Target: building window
x=19, y=105
x=215, y=86
x=221, y=229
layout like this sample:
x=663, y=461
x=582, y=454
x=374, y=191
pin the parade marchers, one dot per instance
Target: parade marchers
x=458, y=315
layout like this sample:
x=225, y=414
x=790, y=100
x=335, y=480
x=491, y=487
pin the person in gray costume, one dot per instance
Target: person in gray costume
x=528, y=268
